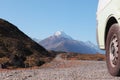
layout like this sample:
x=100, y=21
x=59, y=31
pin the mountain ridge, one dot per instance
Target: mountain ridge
x=62, y=34
x=68, y=44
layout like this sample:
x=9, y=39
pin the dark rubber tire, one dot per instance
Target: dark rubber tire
x=112, y=55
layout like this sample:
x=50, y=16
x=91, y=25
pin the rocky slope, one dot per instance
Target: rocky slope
x=17, y=49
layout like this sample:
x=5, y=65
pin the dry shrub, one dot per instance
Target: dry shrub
x=32, y=61
x=4, y=60
x=78, y=56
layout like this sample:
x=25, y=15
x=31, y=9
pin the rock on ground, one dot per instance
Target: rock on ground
x=62, y=70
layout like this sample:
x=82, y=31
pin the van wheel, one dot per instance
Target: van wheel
x=113, y=50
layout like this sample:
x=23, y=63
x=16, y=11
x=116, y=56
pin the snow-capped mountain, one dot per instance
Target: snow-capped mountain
x=60, y=41
x=61, y=34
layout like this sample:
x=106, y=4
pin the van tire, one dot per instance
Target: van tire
x=113, y=50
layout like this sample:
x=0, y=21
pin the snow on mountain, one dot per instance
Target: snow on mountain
x=58, y=33
x=60, y=41
x=62, y=34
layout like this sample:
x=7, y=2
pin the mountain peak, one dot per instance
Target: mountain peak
x=60, y=41
x=58, y=33
x=62, y=34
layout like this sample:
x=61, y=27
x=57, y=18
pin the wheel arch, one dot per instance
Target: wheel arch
x=112, y=20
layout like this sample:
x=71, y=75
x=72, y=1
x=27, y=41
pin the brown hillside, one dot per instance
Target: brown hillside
x=17, y=49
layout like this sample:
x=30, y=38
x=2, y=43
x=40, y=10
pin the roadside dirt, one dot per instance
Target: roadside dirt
x=60, y=69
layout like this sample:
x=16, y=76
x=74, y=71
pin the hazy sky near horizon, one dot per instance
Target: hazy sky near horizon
x=41, y=18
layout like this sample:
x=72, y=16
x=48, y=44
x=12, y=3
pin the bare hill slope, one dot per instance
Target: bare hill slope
x=17, y=49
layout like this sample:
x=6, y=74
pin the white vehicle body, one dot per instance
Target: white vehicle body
x=108, y=13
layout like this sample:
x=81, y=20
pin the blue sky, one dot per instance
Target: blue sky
x=41, y=18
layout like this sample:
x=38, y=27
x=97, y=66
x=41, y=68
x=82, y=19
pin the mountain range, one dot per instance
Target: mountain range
x=60, y=41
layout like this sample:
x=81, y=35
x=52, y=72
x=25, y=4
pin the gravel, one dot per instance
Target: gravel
x=62, y=70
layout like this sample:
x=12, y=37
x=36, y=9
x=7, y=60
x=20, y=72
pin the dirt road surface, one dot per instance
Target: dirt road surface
x=62, y=70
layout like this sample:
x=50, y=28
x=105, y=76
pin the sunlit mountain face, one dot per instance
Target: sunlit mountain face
x=60, y=41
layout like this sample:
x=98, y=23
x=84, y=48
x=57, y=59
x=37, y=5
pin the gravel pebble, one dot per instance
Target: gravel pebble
x=81, y=70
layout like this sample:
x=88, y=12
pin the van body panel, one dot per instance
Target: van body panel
x=106, y=10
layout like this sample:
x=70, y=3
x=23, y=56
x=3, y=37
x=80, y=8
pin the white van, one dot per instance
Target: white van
x=108, y=33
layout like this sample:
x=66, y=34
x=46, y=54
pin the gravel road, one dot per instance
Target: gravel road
x=62, y=70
